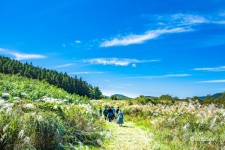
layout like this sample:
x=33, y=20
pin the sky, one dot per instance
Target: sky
x=130, y=47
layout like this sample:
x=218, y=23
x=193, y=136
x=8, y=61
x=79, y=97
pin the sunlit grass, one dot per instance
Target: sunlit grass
x=183, y=125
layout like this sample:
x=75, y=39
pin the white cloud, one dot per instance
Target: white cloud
x=138, y=39
x=77, y=73
x=65, y=65
x=184, y=19
x=216, y=69
x=77, y=41
x=212, y=81
x=116, y=61
x=222, y=22
x=164, y=76
x=21, y=56
x=174, y=75
x=173, y=23
x=134, y=65
x=188, y=19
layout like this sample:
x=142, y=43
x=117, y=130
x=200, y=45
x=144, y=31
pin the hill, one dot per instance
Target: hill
x=214, y=96
x=18, y=87
x=70, y=84
x=37, y=115
x=119, y=96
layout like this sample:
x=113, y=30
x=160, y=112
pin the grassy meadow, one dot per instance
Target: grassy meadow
x=181, y=125
x=37, y=115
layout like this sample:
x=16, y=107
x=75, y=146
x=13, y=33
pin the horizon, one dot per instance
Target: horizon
x=133, y=48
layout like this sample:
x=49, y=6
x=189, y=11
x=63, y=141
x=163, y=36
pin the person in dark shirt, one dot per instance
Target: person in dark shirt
x=100, y=111
x=114, y=112
x=110, y=114
x=117, y=110
x=105, y=112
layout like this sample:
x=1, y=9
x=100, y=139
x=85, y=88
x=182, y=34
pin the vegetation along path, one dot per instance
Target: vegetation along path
x=127, y=137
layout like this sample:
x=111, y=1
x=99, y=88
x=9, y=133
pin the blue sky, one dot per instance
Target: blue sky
x=129, y=47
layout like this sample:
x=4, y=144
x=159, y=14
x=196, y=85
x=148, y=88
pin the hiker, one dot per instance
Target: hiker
x=114, y=112
x=105, y=112
x=110, y=114
x=117, y=111
x=100, y=111
x=120, y=118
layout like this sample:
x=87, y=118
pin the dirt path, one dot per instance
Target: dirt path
x=128, y=137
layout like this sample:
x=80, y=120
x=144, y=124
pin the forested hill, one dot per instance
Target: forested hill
x=70, y=84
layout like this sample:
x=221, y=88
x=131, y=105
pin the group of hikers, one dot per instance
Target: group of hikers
x=110, y=114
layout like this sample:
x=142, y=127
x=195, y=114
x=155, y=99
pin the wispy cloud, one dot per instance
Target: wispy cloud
x=212, y=81
x=77, y=41
x=138, y=39
x=215, y=69
x=134, y=65
x=187, y=19
x=21, y=56
x=65, y=65
x=193, y=19
x=78, y=73
x=165, y=24
x=163, y=76
x=116, y=61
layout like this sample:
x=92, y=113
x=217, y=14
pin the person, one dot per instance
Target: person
x=120, y=119
x=105, y=112
x=100, y=111
x=114, y=112
x=110, y=114
x=117, y=110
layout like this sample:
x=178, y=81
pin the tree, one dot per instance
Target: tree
x=59, y=79
x=114, y=97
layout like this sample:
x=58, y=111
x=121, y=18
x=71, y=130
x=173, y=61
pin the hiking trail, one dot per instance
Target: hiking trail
x=127, y=137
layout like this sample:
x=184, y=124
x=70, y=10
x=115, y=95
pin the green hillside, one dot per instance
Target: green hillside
x=37, y=115
x=70, y=84
x=119, y=97
x=22, y=87
x=214, y=96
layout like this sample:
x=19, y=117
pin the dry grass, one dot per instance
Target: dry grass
x=127, y=137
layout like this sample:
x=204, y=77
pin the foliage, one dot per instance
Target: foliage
x=38, y=115
x=164, y=99
x=25, y=88
x=218, y=100
x=181, y=125
x=29, y=125
x=114, y=97
x=62, y=80
x=119, y=97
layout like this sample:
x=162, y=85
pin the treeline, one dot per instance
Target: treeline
x=218, y=99
x=70, y=84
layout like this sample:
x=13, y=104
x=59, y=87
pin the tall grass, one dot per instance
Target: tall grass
x=182, y=125
x=45, y=117
x=42, y=128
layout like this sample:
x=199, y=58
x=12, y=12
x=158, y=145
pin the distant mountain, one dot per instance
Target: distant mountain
x=217, y=95
x=105, y=96
x=121, y=96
